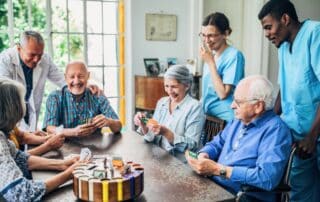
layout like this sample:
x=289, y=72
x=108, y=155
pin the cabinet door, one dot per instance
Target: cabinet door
x=148, y=91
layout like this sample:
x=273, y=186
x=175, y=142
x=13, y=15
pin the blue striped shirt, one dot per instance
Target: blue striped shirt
x=63, y=109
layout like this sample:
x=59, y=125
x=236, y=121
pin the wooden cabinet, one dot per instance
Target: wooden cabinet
x=148, y=91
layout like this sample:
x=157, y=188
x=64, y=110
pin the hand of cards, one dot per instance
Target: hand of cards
x=85, y=154
x=147, y=121
x=193, y=155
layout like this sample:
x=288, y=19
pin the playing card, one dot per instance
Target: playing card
x=85, y=154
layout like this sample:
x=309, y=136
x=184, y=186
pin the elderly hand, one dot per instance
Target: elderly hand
x=100, y=121
x=138, y=122
x=40, y=133
x=55, y=141
x=155, y=128
x=203, y=166
x=84, y=129
x=137, y=119
x=306, y=147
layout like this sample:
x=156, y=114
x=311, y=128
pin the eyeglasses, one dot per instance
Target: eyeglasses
x=239, y=102
x=209, y=36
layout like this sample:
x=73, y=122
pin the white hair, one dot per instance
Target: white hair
x=259, y=88
x=26, y=35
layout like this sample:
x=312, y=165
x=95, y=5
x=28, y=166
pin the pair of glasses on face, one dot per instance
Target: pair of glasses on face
x=208, y=36
x=240, y=102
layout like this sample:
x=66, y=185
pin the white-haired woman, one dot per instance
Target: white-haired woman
x=15, y=183
x=179, y=117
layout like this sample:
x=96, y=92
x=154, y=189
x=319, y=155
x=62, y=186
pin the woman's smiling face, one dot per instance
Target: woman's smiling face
x=176, y=91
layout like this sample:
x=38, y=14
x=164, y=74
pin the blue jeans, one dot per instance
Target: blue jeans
x=305, y=178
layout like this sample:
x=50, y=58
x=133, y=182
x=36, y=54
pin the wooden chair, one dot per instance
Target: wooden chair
x=212, y=127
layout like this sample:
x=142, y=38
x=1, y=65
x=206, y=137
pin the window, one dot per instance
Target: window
x=88, y=30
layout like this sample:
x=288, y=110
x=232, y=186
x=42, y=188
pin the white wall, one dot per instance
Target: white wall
x=142, y=48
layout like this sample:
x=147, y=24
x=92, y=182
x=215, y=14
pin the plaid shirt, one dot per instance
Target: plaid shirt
x=63, y=109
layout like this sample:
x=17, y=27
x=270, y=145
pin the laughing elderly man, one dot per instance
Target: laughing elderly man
x=74, y=111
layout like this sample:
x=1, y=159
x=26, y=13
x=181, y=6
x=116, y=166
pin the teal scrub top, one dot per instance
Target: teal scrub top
x=230, y=67
x=299, y=79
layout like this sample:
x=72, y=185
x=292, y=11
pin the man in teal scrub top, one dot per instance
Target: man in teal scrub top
x=298, y=101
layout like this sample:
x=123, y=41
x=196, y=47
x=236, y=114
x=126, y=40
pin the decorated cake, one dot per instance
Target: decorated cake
x=108, y=179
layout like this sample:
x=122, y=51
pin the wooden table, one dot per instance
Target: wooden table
x=166, y=178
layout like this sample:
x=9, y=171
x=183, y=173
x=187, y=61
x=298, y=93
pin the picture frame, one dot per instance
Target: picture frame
x=161, y=27
x=171, y=61
x=152, y=66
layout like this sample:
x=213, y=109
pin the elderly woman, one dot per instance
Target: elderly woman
x=180, y=117
x=15, y=183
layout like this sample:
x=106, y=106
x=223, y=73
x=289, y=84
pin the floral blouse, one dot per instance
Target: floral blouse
x=15, y=182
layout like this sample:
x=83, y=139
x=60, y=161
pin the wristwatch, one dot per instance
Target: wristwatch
x=223, y=172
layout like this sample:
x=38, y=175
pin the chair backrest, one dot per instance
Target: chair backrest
x=212, y=127
x=285, y=178
x=282, y=189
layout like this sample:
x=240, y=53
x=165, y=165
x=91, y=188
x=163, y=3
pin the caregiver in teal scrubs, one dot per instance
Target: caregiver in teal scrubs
x=298, y=101
x=223, y=68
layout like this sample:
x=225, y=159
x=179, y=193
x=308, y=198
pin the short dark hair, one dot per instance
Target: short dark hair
x=218, y=20
x=11, y=108
x=277, y=8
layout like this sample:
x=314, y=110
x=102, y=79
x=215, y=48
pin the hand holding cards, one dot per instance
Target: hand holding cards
x=193, y=155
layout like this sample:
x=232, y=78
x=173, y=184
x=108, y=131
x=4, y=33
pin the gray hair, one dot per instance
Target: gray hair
x=260, y=88
x=180, y=73
x=27, y=35
x=12, y=107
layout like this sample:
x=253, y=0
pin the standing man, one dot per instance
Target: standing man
x=29, y=65
x=298, y=101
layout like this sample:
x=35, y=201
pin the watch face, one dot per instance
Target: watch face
x=223, y=172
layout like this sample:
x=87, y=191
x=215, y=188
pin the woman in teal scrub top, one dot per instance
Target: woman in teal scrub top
x=223, y=68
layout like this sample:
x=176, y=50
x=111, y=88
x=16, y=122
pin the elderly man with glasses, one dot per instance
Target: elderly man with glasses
x=254, y=148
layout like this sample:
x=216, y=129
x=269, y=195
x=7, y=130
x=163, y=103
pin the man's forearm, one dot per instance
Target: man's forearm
x=115, y=125
x=67, y=132
x=315, y=128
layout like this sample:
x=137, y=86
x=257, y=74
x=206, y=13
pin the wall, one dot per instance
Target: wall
x=137, y=47
x=159, y=49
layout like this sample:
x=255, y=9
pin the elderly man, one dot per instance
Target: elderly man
x=298, y=101
x=76, y=109
x=30, y=66
x=254, y=148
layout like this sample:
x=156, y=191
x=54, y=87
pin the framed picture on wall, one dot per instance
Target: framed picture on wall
x=161, y=27
x=152, y=66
